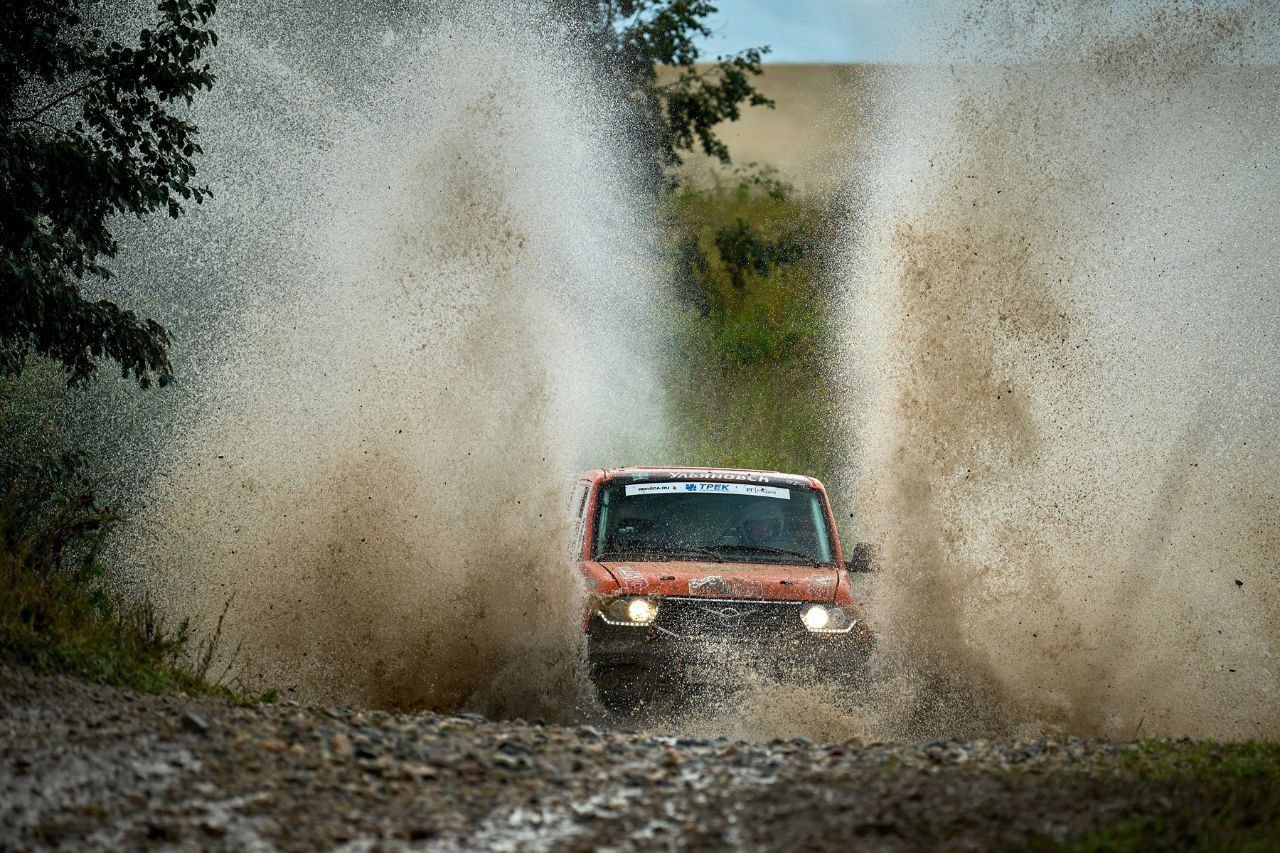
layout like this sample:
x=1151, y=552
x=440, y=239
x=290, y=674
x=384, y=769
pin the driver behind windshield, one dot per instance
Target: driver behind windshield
x=763, y=525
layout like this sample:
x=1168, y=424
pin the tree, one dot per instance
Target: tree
x=678, y=114
x=89, y=130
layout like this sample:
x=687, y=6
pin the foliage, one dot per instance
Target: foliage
x=749, y=389
x=89, y=129
x=56, y=612
x=747, y=263
x=743, y=250
x=638, y=36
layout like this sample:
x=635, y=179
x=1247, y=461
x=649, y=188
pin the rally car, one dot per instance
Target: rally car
x=677, y=561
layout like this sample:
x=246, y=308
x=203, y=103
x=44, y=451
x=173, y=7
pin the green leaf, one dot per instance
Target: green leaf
x=122, y=151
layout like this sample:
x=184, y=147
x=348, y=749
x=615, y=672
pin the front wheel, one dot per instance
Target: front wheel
x=632, y=691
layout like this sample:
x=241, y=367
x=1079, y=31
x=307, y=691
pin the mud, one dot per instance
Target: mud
x=90, y=768
x=427, y=294
x=428, y=289
x=1065, y=313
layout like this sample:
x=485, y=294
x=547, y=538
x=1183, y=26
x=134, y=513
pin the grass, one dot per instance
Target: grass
x=57, y=611
x=58, y=615
x=1206, y=796
x=749, y=389
x=67, y=624
x=1165, y=760
x=753, y=417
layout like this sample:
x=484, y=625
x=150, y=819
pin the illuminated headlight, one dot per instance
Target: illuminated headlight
x=641, y=610
x=816, y=617
x=630, y=610
x=824, y=619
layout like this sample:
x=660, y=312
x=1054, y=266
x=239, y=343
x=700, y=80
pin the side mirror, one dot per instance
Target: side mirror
x=864, y=558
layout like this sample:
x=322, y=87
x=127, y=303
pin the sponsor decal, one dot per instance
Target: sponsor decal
x=629, y=579
x=769, y=478
x=710, y=488
x=715, y=585
x=740, y=476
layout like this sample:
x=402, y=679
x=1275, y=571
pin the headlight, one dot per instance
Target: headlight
x=824, y=619
x=641, y=610
x=816, y=617
x=629, y=610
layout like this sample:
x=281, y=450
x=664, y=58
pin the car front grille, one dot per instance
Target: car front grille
x=706, y=618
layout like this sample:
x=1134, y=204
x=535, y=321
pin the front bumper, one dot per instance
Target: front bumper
x=699, y=639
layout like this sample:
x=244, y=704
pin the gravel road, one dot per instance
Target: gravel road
x=90, y=767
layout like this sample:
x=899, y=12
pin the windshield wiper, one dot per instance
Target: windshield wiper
x=655, y=549
x=703, y=552
x=765, y=549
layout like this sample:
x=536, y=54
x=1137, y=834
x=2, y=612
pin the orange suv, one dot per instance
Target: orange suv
x=680, y=561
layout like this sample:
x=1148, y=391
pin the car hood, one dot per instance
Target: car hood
x=758, y=581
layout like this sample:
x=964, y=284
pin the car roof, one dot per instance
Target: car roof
x=643, y=473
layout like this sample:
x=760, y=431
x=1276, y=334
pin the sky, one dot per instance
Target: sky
x=816, y=30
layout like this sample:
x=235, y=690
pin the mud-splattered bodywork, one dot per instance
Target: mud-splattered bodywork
x=714, y=607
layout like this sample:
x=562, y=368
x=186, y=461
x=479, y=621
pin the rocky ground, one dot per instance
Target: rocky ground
x=89, y=767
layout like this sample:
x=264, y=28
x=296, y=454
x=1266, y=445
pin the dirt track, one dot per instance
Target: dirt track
x=90, y=767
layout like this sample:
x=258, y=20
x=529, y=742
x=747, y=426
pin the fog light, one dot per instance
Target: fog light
x=816, y=617
x=827, y=619
x=641, y=610
x=635, y=611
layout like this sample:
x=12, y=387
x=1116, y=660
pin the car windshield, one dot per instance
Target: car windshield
x=729, y=522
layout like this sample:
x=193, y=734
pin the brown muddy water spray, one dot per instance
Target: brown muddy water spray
x=420, y=302
x=1067, y=322
x=430, y=285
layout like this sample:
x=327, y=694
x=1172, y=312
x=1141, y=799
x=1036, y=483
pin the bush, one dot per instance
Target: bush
x=57, y=613
x=750, y=388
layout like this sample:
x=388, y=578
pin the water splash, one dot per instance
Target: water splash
x=1066, y=310
x=423, y=295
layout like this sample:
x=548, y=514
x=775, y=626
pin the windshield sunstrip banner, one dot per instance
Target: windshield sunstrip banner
x=760, y=478
x=703, y=488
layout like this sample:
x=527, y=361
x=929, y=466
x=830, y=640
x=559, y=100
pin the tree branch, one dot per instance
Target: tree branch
x=713, y=70
x=46, y=124
x=58, y=100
